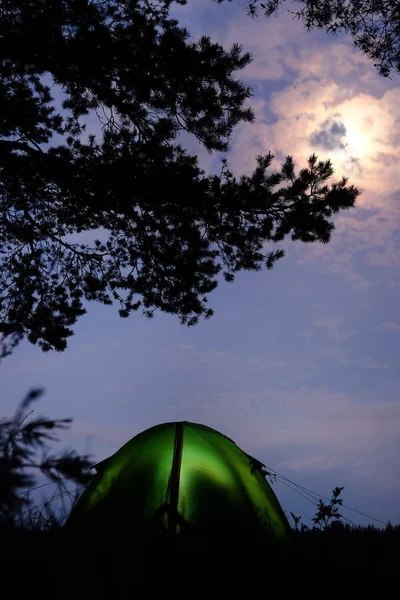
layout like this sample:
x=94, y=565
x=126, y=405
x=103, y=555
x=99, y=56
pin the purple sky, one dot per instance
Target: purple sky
x=299, y=365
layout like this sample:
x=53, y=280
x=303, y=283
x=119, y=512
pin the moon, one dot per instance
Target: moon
x=355, y=142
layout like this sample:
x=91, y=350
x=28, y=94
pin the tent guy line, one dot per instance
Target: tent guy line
x=281, y=477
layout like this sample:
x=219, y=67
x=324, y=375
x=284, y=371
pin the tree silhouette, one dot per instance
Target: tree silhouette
x=373, y=24
x=171, y=230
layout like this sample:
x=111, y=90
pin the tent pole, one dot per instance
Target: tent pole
x=175, y=479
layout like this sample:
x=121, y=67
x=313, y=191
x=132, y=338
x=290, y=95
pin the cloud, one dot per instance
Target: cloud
x=334, y=60
x=368, y=160
x=364, y=237
x=329, y=134
x=391, y=326
x=389, y=256
x=347, y=358
x=334, y=328
x=267, y=39
x=358, y=281
x=388, y=160
x=353, y=134
x=283, y=48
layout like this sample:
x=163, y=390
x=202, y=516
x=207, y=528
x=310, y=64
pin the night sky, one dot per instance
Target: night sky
x=299, y=365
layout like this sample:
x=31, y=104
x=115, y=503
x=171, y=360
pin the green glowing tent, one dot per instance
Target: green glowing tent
x=179, y=477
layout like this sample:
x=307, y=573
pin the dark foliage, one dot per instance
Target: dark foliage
x=170, y=229
x=350, y=561
x=24, y=451
x=373, y=24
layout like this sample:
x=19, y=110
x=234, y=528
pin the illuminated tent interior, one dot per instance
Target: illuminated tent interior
x=178, y=478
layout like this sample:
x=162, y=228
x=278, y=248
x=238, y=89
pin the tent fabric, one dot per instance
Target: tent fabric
x=179, y=477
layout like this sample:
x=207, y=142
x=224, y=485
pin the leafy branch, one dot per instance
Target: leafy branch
x=21, y=439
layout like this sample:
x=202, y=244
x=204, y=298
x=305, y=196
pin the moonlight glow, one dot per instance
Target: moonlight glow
x=356, y=143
